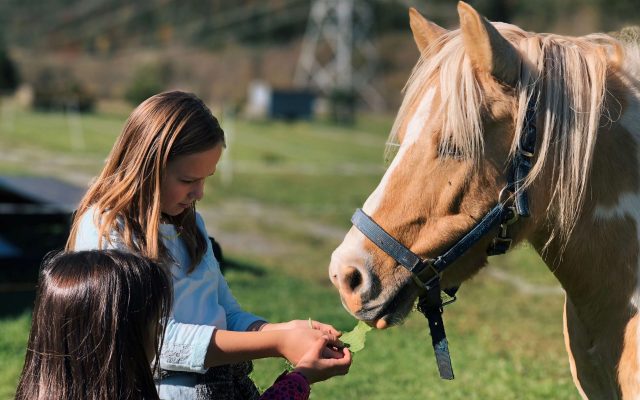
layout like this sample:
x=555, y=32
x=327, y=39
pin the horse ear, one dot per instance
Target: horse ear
x=488, y=50
x=424, y=32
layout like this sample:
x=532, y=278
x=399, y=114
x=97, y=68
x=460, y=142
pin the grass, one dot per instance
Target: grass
x=505, y=344
x=13, y=342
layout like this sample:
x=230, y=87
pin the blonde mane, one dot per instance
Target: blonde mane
x=568, y=76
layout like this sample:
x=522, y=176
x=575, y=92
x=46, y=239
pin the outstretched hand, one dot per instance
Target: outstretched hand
x=304, y=324
x=294, y=344
x=326, y=358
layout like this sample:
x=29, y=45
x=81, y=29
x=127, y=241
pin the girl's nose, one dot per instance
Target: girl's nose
x=198, y=192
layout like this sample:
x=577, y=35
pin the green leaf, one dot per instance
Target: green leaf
x=355, y=339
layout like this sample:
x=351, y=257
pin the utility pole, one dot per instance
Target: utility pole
x=337, y=53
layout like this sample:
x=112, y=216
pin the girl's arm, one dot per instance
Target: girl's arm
x=301, y=324
x=228, y=347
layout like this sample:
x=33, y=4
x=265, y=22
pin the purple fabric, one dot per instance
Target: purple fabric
x=288, y=386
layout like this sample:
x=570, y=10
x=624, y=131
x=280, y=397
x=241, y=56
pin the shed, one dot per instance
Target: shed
x=35, y=216
x=291, y=104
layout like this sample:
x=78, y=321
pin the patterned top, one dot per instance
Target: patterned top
x=288, y=386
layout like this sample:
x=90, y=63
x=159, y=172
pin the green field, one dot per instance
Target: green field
x=279, y=205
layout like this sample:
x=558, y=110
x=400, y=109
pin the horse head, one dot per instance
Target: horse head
x=456, y=134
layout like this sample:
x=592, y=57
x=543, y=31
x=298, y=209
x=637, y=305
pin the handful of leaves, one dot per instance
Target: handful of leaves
x=354, y=339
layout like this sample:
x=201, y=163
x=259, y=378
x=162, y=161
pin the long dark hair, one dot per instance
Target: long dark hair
x=126, y=194
x=94, y=316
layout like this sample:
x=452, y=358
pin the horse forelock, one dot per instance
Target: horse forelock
x=568, y=77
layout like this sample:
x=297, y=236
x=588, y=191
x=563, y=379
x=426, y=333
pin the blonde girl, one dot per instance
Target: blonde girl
x=143, y=201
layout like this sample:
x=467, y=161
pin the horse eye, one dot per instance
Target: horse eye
x=450, y=152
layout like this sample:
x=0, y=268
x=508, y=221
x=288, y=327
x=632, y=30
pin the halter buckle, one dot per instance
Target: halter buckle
x=499, y=246
x=431, y=282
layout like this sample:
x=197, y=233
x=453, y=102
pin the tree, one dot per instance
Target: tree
x=9, y=78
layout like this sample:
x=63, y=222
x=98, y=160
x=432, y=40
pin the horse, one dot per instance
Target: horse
x=459, y=150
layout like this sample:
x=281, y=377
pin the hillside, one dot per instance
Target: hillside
x=216, y=48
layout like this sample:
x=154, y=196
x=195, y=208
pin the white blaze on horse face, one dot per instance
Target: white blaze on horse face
x=351, y=252
x=414, y=129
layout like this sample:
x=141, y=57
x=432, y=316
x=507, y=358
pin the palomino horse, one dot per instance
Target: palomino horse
x=462, y=125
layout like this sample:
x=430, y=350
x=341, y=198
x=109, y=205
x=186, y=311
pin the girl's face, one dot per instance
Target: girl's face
x=183, y=182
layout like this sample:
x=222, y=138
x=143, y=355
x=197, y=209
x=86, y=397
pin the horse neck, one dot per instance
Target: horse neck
x=601, y=255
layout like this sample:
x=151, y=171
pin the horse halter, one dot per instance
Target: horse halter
x=426, y=273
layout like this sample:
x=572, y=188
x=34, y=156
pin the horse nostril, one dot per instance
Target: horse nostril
x=352, y=278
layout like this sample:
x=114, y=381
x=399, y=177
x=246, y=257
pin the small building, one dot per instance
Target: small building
x=287, y=104
x=35, y=216
x=292, y=104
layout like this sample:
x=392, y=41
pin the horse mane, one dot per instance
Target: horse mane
x=567, y=75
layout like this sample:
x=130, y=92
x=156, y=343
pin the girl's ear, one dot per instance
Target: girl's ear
x=424, y=32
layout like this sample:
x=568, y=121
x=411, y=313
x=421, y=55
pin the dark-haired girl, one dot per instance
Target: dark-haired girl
x=96, y=328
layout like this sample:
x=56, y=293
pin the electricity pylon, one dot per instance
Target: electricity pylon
x=337, y=53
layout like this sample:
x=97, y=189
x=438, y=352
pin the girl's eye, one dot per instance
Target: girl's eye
x=186, y=181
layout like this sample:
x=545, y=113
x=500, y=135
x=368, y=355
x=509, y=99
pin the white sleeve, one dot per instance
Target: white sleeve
x=185, y=346
x=237, y=319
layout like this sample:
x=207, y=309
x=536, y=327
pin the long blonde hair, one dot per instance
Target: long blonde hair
x=126, y=194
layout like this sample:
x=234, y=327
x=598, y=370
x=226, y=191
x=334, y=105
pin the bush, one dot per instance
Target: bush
x=9, y=78
x=343, y=105
x=57, y=89
x=148, y=80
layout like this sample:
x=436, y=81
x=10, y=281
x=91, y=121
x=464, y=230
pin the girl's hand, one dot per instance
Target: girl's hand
x=295, y=343
x=303, y=324
x=316, y=366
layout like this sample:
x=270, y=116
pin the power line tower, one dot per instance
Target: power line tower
x=337, y=53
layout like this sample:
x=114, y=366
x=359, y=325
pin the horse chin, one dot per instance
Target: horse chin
x=391, y=311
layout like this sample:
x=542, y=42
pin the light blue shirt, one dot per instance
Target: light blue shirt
x=202, y=300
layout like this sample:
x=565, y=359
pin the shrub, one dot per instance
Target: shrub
x=58, y=89
x=148, y=80
x=343, y=105
x=9, y=77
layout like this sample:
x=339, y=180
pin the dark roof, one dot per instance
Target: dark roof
x=50, y=192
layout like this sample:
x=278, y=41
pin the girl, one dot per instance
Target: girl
x=144, y=201
x=95, y=328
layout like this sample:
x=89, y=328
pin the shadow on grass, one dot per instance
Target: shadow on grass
x=231, y=264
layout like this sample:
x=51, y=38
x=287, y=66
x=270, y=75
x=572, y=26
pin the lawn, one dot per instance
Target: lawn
x=279, y=204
